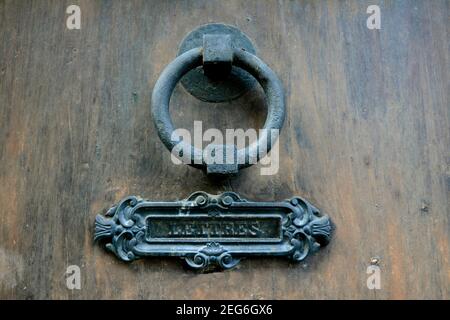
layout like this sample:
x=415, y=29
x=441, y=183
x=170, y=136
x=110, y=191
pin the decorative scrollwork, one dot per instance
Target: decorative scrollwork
x=305, y=230
x=244, y=228
x=212, y=254
x=120, y=230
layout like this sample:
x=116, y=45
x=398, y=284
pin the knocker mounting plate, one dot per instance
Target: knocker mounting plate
x=206, y=88
x=210, y=231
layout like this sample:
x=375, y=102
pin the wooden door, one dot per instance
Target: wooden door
x=366, y=139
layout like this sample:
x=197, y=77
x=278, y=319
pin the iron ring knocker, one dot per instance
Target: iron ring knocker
x=238, y=57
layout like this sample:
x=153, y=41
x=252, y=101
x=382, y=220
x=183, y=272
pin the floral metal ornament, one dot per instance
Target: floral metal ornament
x=212, y=230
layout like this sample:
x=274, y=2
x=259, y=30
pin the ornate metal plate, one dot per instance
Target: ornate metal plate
x=208, y=230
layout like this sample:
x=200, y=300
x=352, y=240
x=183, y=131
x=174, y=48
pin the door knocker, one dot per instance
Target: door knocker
x=216, y=63
x=224, y=56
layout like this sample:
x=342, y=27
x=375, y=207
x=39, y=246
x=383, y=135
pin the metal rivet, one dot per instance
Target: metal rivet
x=374, y=261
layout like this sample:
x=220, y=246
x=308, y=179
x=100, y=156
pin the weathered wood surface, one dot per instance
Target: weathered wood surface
x=366, y=139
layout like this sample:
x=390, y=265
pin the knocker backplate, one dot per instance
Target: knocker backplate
x=206, y=89
x=210, y=231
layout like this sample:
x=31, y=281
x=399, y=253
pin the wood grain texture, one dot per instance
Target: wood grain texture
x=366, y=139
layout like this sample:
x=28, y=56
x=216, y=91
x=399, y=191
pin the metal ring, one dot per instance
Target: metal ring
x=256, y=67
